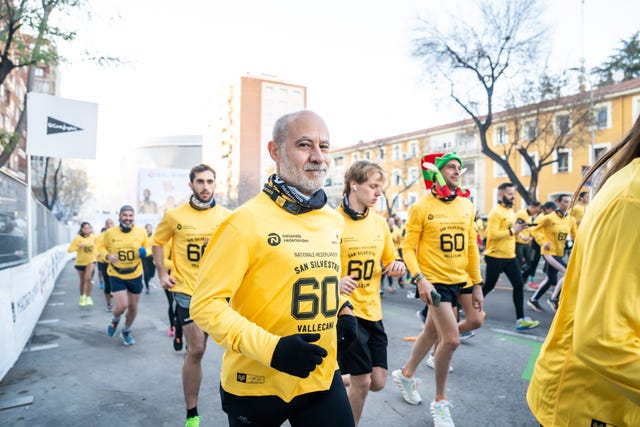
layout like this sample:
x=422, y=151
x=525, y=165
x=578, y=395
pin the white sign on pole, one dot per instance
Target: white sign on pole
x=59, y=127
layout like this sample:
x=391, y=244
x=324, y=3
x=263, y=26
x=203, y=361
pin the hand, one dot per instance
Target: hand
x=142, y=252
x=347, y=285
x=166, y=281
x=294, y=355
x=424, y=290
x=518, y=227
x=477, y=299
x=347, y=329
x=546, y=246
x=395, y=269
x=112, y=258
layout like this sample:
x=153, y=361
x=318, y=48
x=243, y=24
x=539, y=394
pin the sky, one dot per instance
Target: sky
x=353, y=56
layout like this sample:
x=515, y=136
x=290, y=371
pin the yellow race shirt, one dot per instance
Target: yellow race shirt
x=500, y=242
x=577, y=211
x=441, y=241
x=587, y=373
x=366, y=247
x=189, y=230
x=525, y=235
x=554, y=229
x=266, y=274
x=126, y=246
x=85, y=248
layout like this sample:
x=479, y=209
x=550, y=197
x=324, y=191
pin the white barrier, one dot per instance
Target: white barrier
x=24, y=292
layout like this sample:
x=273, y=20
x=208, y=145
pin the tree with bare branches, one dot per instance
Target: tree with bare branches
x=473, y=57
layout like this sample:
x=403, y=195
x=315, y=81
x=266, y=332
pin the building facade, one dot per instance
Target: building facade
x=612, y=110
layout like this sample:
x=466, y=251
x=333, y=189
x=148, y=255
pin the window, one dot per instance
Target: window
x=382, y=203
x=381, y=153
x=498, y=171
x=525, y=170
x=413, y=198
x=367, y=155
x=38, y=72
x=500, y=135
x=602, y=116
x=396, y=178
x=413, y=175
x=396, y=152
x=354, y=157
x=530, y=130
x=563, y=160
x=599, y=150
x=339, y=161
x=413, y=148
x=561, y=124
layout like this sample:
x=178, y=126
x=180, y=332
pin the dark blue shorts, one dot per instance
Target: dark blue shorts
x=133, y=286
x=368, y=351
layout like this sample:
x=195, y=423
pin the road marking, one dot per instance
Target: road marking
x=39, y=347
x=47, y=321
x=54, y=304
x=59, y=293
x=533, y=356
x=389, y=313
x=19, y=401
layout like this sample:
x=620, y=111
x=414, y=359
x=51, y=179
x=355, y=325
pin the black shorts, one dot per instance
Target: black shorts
x=133, y=286
x=448, y=293
x=317, y=409
x=466, y=291
x=182, y=304
x=369, y=351
x=82, y=267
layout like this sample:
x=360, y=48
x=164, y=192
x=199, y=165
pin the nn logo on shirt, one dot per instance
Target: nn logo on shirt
x=273, y=239
x=58, y=126
x=249, y=378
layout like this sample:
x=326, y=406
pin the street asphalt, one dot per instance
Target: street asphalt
x=76, y=375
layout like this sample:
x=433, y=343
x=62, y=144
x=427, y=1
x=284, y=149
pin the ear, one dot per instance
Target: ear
x=274, y=151
x=191, y=186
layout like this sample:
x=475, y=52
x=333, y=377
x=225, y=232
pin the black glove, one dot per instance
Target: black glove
x=295, y=356
x=347, y=328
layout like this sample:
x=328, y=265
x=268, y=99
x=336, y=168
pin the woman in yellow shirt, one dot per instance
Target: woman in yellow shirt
x=84, y=245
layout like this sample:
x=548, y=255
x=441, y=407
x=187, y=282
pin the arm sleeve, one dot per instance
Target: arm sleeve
x=474, y=256
x=73, y=247
x=607, y=326
x=493, y=228
x=216, y=283
x=412, y=238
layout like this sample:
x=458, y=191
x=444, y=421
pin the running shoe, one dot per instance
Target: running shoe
x=535, y=305
x=146, y=291
x=111, y=329
x=192, y=422
x=127, y=338
x=177, y=343
x=441, y=413
x=553, y=303
x=408, y=387
x=431, y=362
x=172, y=331
x=82, y=301
x=88, y=300
x=531, y=287
x=109, y=308
x=466, y=335
x=526, y=323
x=101, y=285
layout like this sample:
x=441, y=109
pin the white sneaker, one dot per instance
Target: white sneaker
x=431, y=362
x=441, y=413
x=408, y=387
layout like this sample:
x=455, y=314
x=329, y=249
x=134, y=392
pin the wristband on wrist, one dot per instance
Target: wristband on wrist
x=346, y=304
x=417, y=277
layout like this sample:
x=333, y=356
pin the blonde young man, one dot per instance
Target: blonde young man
x=268, y=291
x=188, y=228
x=500, y=254
x=124, y=247
x=441, y=251
x=367, y=252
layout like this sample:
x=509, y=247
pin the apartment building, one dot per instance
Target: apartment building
x=613, y=110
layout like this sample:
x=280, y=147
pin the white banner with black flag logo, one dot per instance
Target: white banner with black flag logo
x=59, y=127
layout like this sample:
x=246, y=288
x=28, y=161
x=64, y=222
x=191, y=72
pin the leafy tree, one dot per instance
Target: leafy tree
x=27, y=38
x=473, y=57
x=621, y=66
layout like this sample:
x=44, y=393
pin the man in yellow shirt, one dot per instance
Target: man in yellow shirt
x=577, y=211
x=124, y=247
x=527, y=250
x=268, y=291
x=587, y=371
x=188, y=229
x=500, y=254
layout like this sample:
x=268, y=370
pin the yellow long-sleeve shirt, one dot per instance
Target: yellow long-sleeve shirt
x=188, y=230
x=525, y=235
x=441, y=241
x=85, y=248
x=588, y=367
x=554, y=228
x=365, y=244
x=267, y=274
x=500, y=242
x=126, y=246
